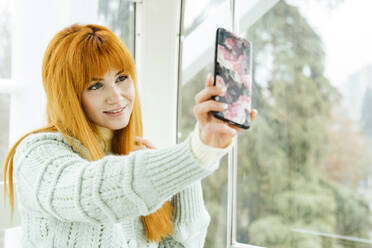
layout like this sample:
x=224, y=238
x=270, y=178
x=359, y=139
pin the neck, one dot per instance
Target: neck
x=107, y=134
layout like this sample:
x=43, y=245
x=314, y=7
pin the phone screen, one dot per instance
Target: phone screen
x=233, y=70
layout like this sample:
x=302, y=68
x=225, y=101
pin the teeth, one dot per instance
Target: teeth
x=116, y=111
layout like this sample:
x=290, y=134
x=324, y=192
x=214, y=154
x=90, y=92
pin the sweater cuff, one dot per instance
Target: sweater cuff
x=205, y=154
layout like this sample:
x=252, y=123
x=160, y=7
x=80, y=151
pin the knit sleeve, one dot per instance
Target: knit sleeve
x=54, y=180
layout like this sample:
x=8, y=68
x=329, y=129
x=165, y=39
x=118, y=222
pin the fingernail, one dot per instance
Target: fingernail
x=225, y=106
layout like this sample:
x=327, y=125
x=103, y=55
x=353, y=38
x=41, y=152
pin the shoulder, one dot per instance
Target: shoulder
x=50, y=139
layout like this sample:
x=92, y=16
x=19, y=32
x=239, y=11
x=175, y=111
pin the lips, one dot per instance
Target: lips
x=114, y=110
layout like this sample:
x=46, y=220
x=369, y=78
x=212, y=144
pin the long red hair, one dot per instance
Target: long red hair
x=73, y=57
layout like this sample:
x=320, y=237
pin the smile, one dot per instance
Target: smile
x=115, y=112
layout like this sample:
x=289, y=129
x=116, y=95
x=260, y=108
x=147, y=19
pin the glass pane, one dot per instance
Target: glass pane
x=200, y=34
x=197, y=62
x=196, y=12
x=119, y=16
x=304, y=168
x=4, y=129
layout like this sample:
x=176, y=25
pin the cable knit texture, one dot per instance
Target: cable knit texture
x=67, y=201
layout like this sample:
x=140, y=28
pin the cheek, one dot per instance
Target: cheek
x=88, y=104
x=132, y=92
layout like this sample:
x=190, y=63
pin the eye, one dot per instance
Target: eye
x=122, y=78
x=95, y=86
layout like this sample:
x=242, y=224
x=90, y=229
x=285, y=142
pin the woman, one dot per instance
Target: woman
x=79, y=181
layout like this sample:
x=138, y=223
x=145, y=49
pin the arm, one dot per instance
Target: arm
x=53, y=180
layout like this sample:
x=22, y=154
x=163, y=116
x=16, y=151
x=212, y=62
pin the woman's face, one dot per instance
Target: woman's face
x=105, y=96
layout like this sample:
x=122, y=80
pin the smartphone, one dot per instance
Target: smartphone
x=233, y=70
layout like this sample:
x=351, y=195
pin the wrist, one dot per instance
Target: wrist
x=223, y=146
x=204, y=153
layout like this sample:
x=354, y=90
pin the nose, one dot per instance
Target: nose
x=114, y=94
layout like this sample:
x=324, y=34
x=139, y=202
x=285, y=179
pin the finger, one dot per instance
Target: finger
x=237, y=129
x=202, y=110
x=137, y=139
x=137, y=148
x=254, y=112
x=148, y=144
x=141, y=142
x=209, y=81
x=207, y=93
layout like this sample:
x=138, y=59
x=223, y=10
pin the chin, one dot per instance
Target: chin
x=117, y=127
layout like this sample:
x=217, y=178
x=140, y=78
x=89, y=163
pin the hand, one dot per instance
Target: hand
x=214, y=132
x=141, y=143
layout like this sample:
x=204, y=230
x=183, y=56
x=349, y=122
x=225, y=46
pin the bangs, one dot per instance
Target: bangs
x=95, y=53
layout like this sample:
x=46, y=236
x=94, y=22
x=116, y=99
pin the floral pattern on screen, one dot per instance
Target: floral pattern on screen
x=233, y=71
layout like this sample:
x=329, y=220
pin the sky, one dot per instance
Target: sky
x=346, y=34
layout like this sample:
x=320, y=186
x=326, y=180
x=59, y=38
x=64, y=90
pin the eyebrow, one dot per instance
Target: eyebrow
x=100, y=79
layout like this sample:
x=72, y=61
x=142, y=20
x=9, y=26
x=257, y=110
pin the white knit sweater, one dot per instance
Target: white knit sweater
x=67, y=201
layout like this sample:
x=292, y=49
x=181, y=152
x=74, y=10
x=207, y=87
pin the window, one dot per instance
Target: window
x=119, y=17
x=304, y=168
